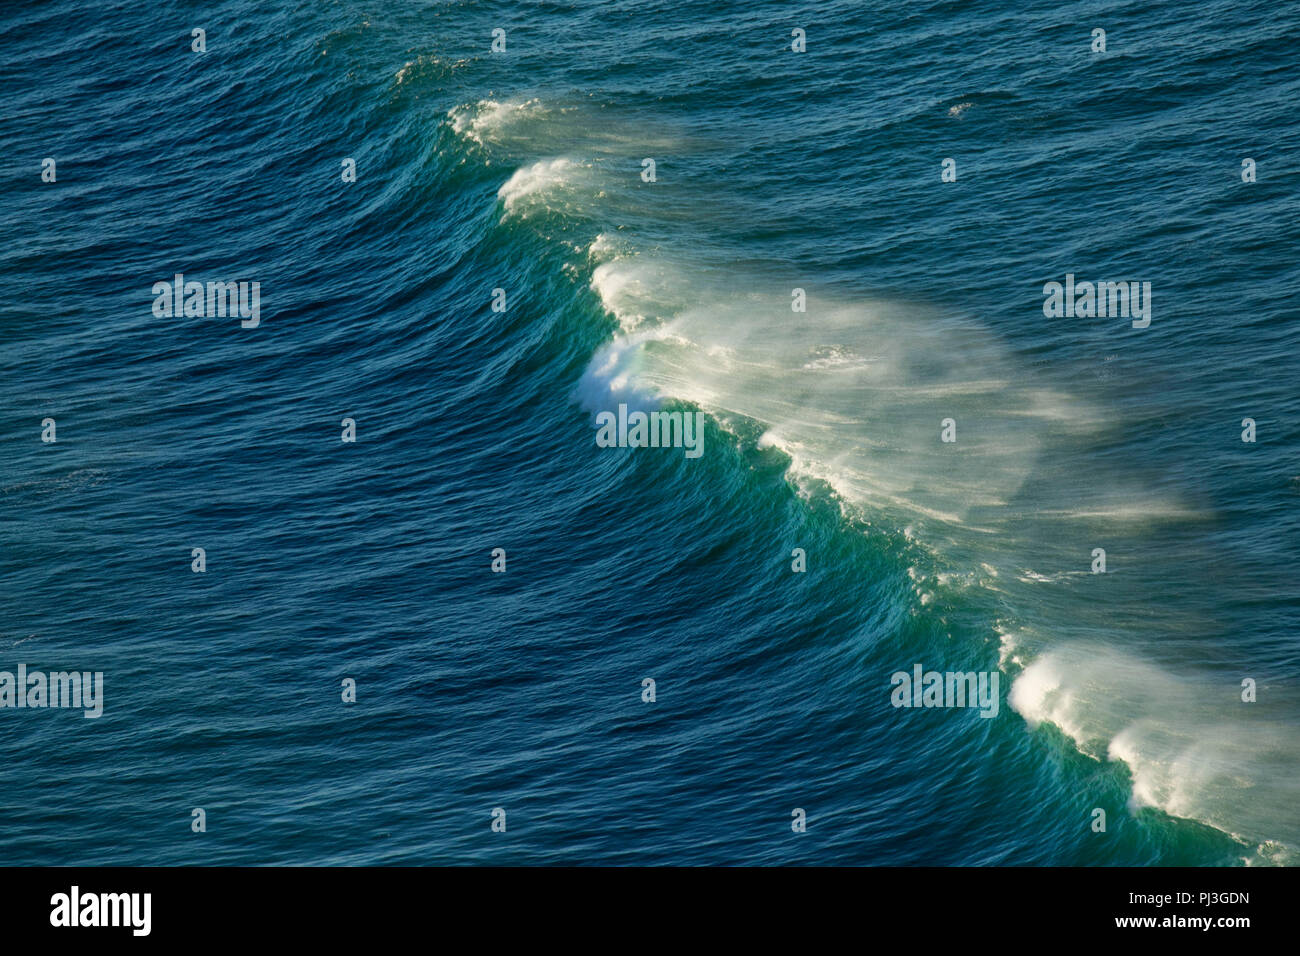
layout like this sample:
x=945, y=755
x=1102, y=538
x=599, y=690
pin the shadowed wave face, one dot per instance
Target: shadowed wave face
x=885, y=405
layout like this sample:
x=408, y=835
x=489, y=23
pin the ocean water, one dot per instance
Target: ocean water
x=774, y=170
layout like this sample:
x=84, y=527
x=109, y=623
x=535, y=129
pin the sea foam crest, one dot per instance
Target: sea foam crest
x=1192, y=752
x=489, y=120
x=530, y=183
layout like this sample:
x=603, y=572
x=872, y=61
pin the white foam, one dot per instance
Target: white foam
x=610, y=377
x=853, y=393
x=605, y=247
x=634, y=290
x=526, y=127
x=1010, y=643
x=488, y=120
x=1194, y=749
x=538, y=183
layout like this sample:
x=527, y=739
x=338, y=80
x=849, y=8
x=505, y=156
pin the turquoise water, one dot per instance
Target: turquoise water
x=775, y=170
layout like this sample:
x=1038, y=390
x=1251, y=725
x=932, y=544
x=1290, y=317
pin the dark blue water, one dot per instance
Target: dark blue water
x=775, y=170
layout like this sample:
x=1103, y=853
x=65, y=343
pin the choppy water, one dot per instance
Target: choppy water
x=774, y=171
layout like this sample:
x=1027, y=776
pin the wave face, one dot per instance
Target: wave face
x=797, y=272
